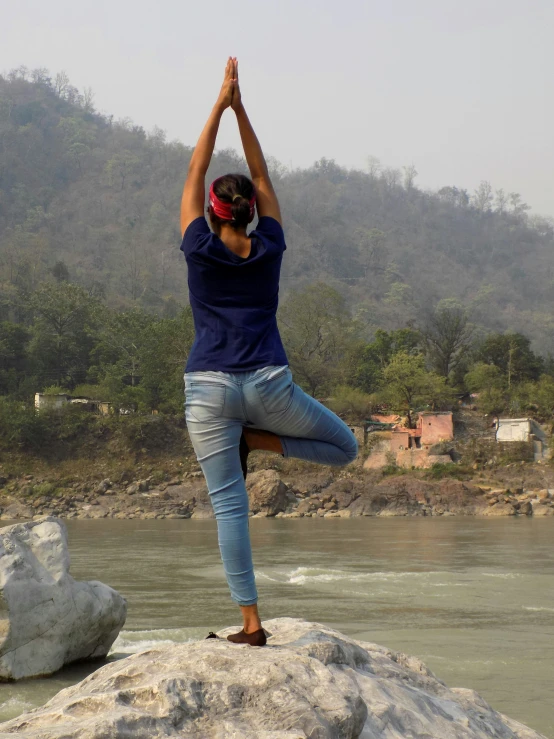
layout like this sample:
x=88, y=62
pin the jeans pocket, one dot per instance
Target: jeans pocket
x=276, y=392
x=204, y=401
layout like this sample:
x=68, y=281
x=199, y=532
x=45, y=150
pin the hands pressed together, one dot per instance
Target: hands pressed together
x=229, y=95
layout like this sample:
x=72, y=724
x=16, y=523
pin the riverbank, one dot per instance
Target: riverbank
x=292, y=490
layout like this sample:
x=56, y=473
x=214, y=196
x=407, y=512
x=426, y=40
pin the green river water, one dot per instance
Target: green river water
x=473, y=598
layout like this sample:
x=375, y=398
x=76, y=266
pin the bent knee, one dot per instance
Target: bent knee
x=351, y=451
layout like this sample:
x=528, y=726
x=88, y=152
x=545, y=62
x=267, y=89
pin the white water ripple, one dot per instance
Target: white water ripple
x=132, y=642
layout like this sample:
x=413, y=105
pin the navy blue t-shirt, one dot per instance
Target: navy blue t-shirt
x=234, y=299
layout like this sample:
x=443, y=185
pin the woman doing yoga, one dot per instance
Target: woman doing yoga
x=240, y=395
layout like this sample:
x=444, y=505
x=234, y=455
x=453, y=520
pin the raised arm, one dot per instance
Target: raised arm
x=266, y=199
x=194, y=194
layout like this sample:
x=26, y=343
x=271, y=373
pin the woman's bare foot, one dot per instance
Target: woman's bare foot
x=263, y=440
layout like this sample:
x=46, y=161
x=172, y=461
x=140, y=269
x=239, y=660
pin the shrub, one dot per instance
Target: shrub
x=440, y=471
x=353, y=403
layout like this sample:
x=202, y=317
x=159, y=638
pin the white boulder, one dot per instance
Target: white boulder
x=47, y=619
x=309, y=682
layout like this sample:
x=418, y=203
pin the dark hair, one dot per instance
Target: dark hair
x=237, y=190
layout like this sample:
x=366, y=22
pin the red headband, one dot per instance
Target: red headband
x=225, y=210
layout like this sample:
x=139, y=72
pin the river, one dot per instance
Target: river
x=473, y=598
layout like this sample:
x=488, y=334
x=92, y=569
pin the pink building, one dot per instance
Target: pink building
x=435, y=427
x=411, y=447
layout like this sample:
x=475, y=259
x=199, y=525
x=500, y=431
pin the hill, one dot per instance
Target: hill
x=98, y=198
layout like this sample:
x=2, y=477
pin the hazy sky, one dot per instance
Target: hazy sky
x=462, y=89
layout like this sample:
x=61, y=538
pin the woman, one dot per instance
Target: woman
x=239, y=390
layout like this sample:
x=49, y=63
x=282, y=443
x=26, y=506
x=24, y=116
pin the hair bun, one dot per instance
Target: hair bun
x=238, y=197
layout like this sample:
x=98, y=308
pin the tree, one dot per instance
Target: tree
x=371, y=359
x=410, y=173
x=166, y=346
x=319, y=336
x=487, y=381
x=485, y=377
x=512, y=354
x=60, y=272
x=13, y=356
x=501, y=200
x=373, y=252
x=65, y=318
x=118, y=351
x=447, y=336
x=408, y=386
x=483, y=197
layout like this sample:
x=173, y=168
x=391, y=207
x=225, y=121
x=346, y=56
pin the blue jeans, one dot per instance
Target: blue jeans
x=218, y=405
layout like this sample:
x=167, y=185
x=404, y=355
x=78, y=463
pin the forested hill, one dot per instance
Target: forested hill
x=84, y=196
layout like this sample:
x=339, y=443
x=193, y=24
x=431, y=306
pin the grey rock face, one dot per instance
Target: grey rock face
x=310, y=682
x=47, y=619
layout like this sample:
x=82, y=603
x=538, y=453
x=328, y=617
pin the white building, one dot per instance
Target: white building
x=44, y=401
x=523, y=429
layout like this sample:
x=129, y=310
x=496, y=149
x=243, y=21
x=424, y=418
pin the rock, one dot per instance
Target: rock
x=267, y=492
x=103, y=487
x=500, y=509
x=48, y=619
x=525, y=508
x=541, y=510
x=203, y=511
x=15, y=511
x=132, y=489
x=306, y=506
x=312, y=682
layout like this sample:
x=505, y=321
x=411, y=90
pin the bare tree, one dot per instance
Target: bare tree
x=391, y=177
x=410, y=173
x=501, y=200
x=88, y=100
x=61, y=84
x=519, y=208
x=373, y=166
x=482, y=197
x=41, y=76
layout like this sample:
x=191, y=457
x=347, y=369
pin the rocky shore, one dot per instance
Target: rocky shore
x=309, y=682
x=312, y=495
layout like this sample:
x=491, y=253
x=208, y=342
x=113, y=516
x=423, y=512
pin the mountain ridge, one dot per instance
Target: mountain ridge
x=102, y=198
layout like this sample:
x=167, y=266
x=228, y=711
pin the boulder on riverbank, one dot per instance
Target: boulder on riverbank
x=47, y=619
x=309, y=682
x=267, y=493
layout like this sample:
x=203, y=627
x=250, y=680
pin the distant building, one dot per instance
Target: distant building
x=403, y=438
x=44, y=401
x=95, y=406
x=412, y=447
x=436, y=427
x=523, y=430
